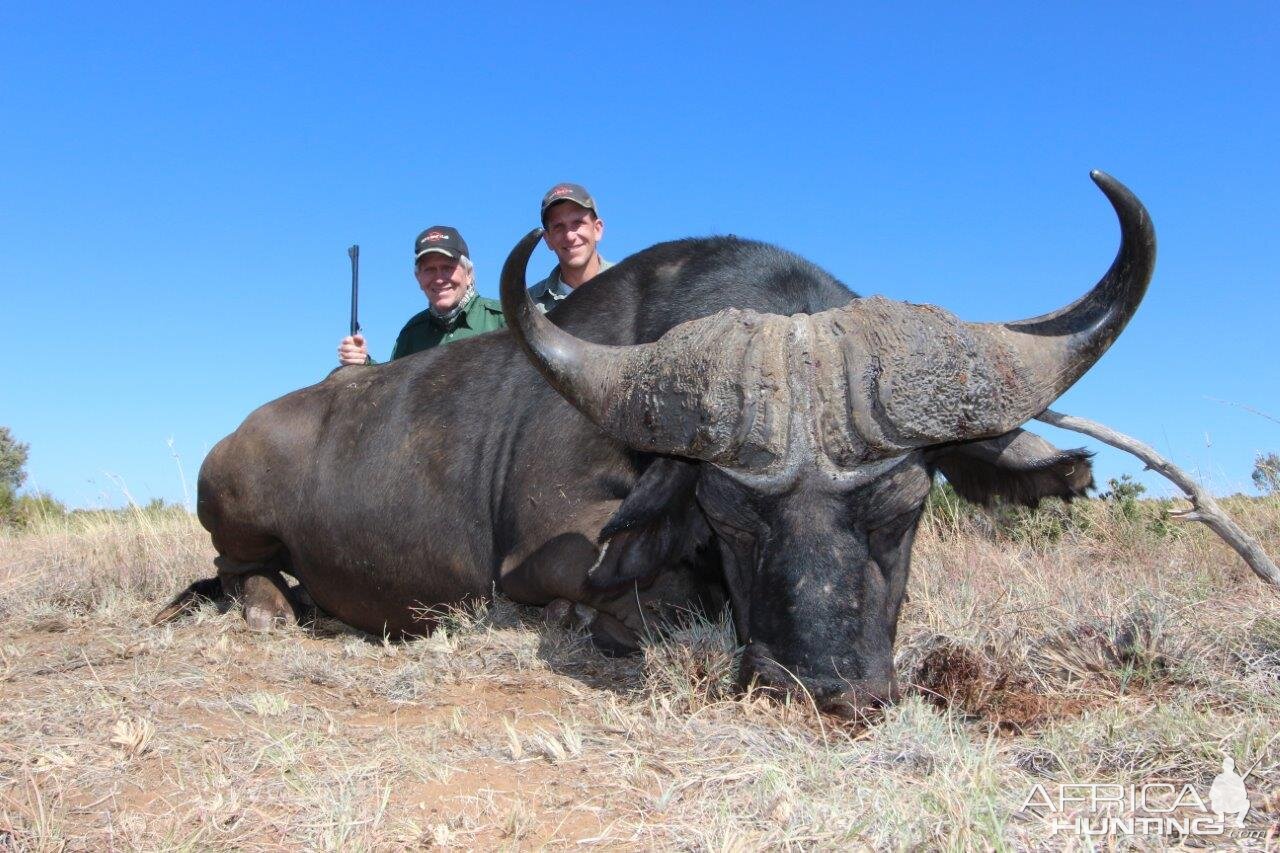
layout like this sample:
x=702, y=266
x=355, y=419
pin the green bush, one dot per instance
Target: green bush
x=23, y=510
x=159, y=506
x=1266, y=473
x=1123, y=494
x=13, y=462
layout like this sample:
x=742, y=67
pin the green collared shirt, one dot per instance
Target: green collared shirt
x=425, y=330
x=551, y=290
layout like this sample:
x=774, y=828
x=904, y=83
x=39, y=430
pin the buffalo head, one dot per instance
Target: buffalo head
x=807, y=444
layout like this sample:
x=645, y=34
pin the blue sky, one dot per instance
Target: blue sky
x=181, y=183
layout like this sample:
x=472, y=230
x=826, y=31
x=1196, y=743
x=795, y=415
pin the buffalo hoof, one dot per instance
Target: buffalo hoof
x=266, y=601
x=611, y=638
x=582, y=617
x=557, y=612
x=263, y=620
x=565, y=614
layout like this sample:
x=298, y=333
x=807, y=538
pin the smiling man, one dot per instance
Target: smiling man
x=443, y=268
x=573, y=228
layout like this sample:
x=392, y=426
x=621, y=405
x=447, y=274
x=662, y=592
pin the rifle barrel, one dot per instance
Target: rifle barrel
x=354, y=254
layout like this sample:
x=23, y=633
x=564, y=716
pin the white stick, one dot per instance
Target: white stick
x=1203, y=507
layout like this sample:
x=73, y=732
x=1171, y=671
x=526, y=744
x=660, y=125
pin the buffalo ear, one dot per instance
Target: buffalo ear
x=658, y=525
x=1018, y=466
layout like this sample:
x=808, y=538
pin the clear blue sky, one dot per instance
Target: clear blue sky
x=180, y=184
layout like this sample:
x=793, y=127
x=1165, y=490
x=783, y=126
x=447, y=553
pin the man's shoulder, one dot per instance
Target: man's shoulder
x=485, y=314
x=543, y=287
x=419, y=333
x=423, y=316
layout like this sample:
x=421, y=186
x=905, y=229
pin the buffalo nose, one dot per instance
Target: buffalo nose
x=840, y=697
x=859, y=699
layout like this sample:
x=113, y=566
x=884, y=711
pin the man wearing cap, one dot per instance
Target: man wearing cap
x=443, y=268
x=573, y=228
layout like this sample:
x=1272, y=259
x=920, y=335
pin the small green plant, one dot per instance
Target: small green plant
x=1123, y=493
x=1139, y=519
x=1266, y=473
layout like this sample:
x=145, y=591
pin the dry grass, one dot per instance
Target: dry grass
x=1113, y=652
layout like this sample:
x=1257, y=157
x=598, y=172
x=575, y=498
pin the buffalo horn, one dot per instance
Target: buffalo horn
x=915, y=375
x=889, y=375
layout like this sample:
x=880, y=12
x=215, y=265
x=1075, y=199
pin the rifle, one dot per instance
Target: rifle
x=354, y=254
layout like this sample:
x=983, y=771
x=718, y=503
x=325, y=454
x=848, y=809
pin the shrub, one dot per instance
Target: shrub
x=1123, y=493
x=1266, y=473
x=13, y=462
x=159, y=506
x=24, y=510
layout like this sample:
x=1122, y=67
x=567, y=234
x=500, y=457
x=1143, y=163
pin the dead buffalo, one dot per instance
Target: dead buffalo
x=733, y=413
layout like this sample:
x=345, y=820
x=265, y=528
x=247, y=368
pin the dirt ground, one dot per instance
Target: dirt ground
x=1110, y=655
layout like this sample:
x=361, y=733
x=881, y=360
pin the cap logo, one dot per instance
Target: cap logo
x=436, y=235
x=562, y=191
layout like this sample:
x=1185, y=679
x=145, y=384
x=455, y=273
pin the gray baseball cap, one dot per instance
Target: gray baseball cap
x=575, y=193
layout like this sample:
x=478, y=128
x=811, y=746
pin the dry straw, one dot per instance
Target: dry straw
x=1087, y=643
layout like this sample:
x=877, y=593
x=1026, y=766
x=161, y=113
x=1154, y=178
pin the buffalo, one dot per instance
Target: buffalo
x=709, y=419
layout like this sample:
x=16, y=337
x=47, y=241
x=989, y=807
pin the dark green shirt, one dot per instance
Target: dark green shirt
x=424, y=330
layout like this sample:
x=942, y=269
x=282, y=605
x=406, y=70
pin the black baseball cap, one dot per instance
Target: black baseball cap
x=443, y=239
x=575, y=193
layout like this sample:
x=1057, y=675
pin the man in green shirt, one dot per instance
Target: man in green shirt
x=443, y=268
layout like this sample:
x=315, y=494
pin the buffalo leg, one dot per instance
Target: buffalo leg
x=190, y=598
x=611, y=637
x=261, y=590
x=558, y=570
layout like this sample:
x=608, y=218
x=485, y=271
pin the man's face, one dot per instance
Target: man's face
x=572, y=233
x=443, y=279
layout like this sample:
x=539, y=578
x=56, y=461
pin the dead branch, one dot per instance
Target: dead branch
x=1203, y=507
